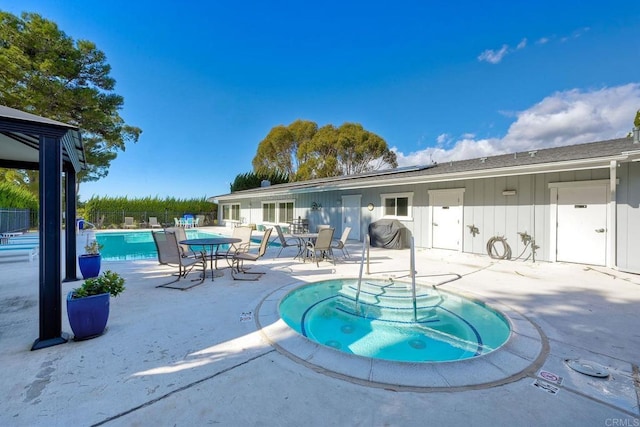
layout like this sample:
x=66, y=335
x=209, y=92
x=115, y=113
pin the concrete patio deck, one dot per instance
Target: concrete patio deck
x=199, y=357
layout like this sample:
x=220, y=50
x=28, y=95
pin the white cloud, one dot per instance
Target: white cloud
x=564, y=118
x=543, y=40
x=494, y=56
x=443, y=138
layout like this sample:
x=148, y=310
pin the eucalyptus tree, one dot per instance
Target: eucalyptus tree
x=304, y=151
x=278, y=151
x=45, y=72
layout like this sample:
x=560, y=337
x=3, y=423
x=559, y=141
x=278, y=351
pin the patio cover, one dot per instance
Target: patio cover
x=32, y=142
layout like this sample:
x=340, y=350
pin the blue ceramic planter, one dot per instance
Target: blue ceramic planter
x=88, y=316
x=89, y=265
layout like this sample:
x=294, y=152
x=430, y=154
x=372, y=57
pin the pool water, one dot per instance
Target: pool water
x=135, y=245
x=384, y=325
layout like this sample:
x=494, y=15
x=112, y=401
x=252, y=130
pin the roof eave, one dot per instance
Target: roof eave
x=562, y=166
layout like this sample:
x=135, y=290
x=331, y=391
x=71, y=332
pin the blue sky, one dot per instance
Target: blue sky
x=438, y=80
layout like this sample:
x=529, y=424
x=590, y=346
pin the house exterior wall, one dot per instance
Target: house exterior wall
x=484, y=207
x=628, y=213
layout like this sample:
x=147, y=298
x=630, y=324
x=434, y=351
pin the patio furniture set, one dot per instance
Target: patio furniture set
x=310, y=245
x=175, y=249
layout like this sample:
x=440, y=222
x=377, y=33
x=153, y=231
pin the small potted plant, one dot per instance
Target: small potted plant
x=88, y=305
x=89, y=262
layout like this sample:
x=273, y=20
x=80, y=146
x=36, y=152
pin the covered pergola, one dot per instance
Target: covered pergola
x=32, y=142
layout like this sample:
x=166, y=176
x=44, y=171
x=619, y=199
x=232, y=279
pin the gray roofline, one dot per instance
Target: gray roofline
x=23, y=116
x=26, y=129
x=573, y=157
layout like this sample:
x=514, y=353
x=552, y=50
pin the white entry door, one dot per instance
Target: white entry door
x=446, y=219
x=351, y=216
x=582, y=225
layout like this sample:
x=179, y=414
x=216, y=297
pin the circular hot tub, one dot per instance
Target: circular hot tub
x=381, y=320
x=378, y=337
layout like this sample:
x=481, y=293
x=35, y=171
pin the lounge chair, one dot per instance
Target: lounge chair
x=23, y=240
x=128, y=222
x=170, y=253
x=153, y=222
x=340, y=244
x=16, y=250
x=285, y=242
x=322, y=244
x=237, y=263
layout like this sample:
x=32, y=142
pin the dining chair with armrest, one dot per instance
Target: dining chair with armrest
x=286, y=242
x=170, y=253
x=322, y=244
x=244, y=234
x=340, y=244
x=238, y=270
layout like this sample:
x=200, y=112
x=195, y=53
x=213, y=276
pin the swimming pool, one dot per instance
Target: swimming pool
x=135, y=245
x=384, y=325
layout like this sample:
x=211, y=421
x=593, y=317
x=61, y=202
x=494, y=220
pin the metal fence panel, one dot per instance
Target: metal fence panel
x=14, y=220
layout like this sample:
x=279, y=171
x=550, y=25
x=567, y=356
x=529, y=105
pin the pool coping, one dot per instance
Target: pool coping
x=522, y=355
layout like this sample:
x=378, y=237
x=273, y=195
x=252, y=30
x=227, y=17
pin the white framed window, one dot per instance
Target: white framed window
x=397, y=205
x=278, y=211
x=231, y=212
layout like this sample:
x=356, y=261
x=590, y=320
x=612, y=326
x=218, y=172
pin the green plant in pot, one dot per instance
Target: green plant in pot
x=89, y=262
x=88, y=305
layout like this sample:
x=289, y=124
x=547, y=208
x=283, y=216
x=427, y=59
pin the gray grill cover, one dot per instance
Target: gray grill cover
x=387, y=233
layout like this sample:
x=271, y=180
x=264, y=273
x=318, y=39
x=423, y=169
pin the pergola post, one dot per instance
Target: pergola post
x=50, y=156
x=70, y=225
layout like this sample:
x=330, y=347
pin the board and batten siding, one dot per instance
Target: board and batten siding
x=484, y=207
x=491, y=212
x=628, y=217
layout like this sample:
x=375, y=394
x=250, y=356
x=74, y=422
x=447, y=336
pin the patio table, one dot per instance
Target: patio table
x=303, y=238
x=212, y=242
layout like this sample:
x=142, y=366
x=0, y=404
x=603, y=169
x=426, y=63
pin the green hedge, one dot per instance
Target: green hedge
x=110, y=211
x=12, y=196
x=148, y=204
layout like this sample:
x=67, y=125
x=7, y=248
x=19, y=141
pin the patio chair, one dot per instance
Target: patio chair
x=322, y=244
x=153, y=222
x=237, y=263
x=285, y=242
x=340, y=244
x=128, y=222
x=244, y=234
x=321, y=226
x=170, y=253
x=185, y=250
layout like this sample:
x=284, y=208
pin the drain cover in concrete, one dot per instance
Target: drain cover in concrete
x=588, y=368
